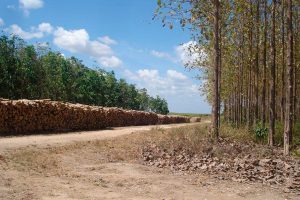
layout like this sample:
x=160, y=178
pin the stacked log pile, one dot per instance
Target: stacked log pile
x=28, y=116
x=195, y=119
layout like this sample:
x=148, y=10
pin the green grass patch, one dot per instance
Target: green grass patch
x=234, y=133
x=259, y=134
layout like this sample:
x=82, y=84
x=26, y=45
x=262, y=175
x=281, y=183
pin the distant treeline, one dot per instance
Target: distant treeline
x=36, y=72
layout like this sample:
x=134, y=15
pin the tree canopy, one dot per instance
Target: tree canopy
x=252, y=62
x=37, y=72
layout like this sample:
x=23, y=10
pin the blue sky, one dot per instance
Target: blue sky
x=115, y=35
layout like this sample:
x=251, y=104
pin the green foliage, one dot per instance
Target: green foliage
x=35, y=73
x=296, y=154
x=260, y=132
x=159, y=105
x=159, y=2
x=279, y=129
x=296, y=134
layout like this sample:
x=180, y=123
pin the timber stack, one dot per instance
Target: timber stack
x=31, y=116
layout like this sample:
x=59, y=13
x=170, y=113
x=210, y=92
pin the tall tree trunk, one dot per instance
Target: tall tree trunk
x=272, y=80
x=257, y=60
x=219, y=79
x=241, y=82
x=250, y=103
x=296, y=62
x=294, y=99
x=283, y=63
x=289, y=92
x=263, y=111
x=215, y=117
x=231, y=107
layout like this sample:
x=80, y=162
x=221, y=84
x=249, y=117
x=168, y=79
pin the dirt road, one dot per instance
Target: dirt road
x=80, y=136
x=70, y=166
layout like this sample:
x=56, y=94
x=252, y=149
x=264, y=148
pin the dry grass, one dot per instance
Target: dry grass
x=125, y=148
x=76, y=169
x=33, y=161
x=240, y=134
x=192, y=139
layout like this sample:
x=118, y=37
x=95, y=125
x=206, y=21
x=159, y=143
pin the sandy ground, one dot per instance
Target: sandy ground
x=66, y=138
x=67, y=167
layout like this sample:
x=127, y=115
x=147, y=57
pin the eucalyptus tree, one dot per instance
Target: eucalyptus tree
x=289, y=90
x=203, y=18
x=257, y=44
x=8, y=65
x=35, y=72
x=273, y=77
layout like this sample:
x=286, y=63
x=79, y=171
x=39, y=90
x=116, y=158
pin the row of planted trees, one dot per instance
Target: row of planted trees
x=36, y=72
x=253, y=58
x=261, y=82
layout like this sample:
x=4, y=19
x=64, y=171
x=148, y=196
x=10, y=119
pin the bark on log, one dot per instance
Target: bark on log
x=30, y=116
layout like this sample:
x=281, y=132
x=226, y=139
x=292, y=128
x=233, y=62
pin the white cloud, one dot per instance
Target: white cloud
x=181, y=95
x=16, y=30
x=27, y=5
x=160, y=54
x=73, y=41
x=172, y=83
x=130, y=75
x=78, y=41
x=35, y=32
x=190, y=54
x=31, y=4
x=1, y=22
x=96, y=49
x=107, y=40
x=45, y=27
x=176, y=75
x=164, y=55
x=148, y=73
x=111, y=61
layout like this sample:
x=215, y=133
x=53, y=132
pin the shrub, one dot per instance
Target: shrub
x=260, y=132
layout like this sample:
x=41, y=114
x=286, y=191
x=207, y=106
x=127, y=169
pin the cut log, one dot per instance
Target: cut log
x=31, y=116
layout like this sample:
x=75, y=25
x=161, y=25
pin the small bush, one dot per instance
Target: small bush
x=260, y=132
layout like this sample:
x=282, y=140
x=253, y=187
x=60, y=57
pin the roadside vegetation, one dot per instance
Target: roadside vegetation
x=139, y=163
x=248, y=53
x=185, y=150
x=259, y=135
x=37, y=72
